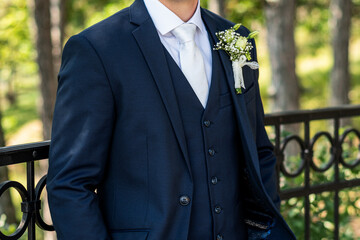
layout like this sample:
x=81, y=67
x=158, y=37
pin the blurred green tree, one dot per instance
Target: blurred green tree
x=13, y=18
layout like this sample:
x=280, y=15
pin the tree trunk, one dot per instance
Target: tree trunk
x=280, y=16
x=63, y=21
x=285, y=90
x=50, y=33
x=57, y=8
x=217, y=6
x=340, y=31
x=6, y=205
x=46, y=63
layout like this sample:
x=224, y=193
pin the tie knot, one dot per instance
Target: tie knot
x=185, y=32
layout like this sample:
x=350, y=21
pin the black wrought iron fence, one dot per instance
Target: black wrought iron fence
x=29, y=153
x=307, y=160
x=30, y=195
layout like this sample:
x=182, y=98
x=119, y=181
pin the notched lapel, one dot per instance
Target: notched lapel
x=150, y=45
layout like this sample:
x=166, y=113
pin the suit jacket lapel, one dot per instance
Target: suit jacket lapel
x=246, y=135
x=149, y=42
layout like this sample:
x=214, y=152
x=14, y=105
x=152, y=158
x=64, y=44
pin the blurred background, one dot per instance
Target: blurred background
x=309, y=56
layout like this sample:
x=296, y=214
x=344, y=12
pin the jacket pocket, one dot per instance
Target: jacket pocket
x=259, y=224
x=130, y=234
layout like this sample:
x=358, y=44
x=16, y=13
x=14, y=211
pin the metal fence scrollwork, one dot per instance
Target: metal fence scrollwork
x=30, y=195
x=26, y=216
x=307, y=166
x=356, y=162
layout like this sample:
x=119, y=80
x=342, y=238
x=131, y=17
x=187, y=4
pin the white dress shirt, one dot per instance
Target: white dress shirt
x=165, y=21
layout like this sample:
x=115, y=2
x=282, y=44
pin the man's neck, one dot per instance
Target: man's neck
x=184, y=9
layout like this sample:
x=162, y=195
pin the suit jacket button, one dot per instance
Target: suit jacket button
x=219, y=237
x=207, y=123
x=211, y=152
x=184, y=200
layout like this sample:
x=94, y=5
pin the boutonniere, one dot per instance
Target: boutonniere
x=238, y=48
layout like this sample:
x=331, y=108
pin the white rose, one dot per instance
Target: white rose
x=241, y=43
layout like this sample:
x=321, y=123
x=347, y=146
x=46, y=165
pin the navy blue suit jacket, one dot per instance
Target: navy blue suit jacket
x=118, y=156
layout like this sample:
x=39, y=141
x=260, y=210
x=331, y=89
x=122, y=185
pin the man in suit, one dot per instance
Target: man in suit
x=149, y=144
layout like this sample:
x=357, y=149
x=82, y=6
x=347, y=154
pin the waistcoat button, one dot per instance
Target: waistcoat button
x=218, y=209
x=219, y=237
x=184, y=200
x=211, y=152
x=214, y=180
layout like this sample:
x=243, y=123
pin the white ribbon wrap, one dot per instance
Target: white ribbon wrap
x=238, y=73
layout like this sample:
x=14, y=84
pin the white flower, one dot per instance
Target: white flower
x=229, y=36
x=241, y=43
x=239, y=50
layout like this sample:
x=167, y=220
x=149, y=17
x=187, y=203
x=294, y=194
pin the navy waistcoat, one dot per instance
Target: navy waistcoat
x=215, y=157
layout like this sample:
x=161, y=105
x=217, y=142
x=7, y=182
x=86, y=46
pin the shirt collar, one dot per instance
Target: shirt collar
x=158, y=12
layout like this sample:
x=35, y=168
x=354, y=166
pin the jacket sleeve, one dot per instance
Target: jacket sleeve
x=265, y=149
x=81, y=137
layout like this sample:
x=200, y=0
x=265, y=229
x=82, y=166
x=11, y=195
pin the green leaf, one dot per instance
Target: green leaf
x=248, y=56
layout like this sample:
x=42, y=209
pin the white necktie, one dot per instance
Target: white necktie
x=191, y=61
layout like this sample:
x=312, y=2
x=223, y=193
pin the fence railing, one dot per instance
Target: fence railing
x=29, y=153
x=30, y=195
x=308, y=164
